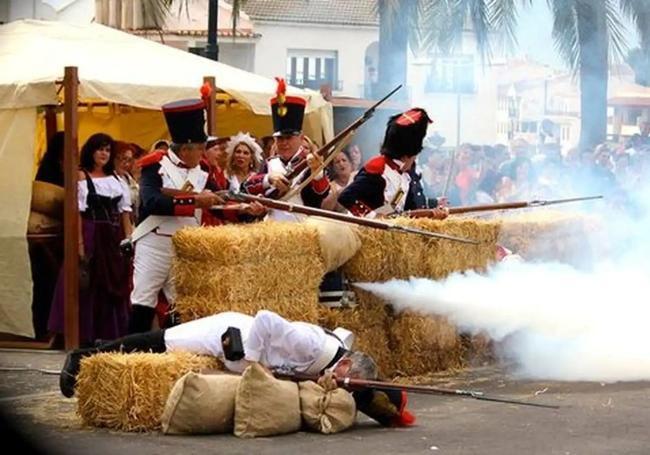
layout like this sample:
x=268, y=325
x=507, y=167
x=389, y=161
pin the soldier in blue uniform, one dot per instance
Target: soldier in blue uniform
x=388, y=183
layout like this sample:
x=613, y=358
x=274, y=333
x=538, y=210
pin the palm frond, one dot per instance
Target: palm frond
x=565, y=31
x=237, y=6
x=503, y=17
x=156, y=11
x=639, y=12
x=479, y=13
x=618, y=46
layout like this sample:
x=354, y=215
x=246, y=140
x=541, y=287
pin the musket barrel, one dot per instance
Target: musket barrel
x=368, y=222
x=425, y=213
x=431, y=390
x=487, y=207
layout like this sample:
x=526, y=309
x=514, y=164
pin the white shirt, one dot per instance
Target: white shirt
x=203, y=336
x=268, y=339
x=279, y=344
x=109, y=186
x=275, y=166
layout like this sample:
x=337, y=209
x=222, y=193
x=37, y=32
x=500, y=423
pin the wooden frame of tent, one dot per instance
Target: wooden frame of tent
x=71, y=104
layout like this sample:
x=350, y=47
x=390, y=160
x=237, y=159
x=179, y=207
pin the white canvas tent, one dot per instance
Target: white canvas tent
x=113, y=67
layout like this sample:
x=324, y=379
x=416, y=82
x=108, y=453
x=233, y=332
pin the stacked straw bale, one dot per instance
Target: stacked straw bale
x=550, y=235
x=128, y=392
x=246, y=268
x=413, y=344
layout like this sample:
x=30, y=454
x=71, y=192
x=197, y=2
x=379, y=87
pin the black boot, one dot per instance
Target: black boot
x=137, y=342
x=141, y=319
x=70, y=370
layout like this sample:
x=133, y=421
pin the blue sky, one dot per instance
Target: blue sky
x=535, y=39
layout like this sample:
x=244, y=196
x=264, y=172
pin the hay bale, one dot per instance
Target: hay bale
x=387, y=254
x=270, y=265
x=370, y=329
x=550, y=235
x=424, y=344
x=416, y=344
x=128, y=392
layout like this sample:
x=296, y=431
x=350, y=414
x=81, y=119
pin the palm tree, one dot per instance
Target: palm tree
x=588, y=34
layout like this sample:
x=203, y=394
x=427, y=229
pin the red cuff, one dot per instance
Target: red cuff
x=231, y=213
x=359, y=208
x=184, y=206
x=255, y=184
x=321, y=185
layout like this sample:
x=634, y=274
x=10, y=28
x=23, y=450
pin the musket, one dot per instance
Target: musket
x=353, y=384
x=295, y=168
x=425, y=213
x=368, y=222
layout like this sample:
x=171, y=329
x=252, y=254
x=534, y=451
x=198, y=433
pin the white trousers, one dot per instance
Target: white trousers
x=152, y=265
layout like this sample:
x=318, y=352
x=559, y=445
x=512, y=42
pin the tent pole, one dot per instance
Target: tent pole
x=211, y=107
x=71, y=212
x=50, y=122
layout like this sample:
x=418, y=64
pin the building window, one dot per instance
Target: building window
x=453, y=74
x=565, y=133
x=312, y=68
x=529, y=127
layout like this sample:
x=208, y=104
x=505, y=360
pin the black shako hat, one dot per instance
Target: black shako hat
x=386, y=406
x=287, y=111
x=186, y=121
x=405, y=133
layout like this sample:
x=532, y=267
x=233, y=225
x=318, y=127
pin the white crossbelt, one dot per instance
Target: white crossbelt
x=154, y=221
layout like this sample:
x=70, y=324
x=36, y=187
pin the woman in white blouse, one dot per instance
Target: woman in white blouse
x=104, y=212
x=244, y=159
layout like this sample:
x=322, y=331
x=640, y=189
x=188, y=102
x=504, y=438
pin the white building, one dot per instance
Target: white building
x=317, y=42
x=552, y=99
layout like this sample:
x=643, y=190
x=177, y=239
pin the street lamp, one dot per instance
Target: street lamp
x=212, y=48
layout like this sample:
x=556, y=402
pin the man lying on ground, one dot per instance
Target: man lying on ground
x=270, y=340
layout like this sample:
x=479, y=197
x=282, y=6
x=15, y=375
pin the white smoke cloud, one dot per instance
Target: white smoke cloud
x=556, y=321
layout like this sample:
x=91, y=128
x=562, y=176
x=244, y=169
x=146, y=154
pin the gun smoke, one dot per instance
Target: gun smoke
x=553, y=320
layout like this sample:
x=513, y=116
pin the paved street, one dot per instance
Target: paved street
x=594, y=418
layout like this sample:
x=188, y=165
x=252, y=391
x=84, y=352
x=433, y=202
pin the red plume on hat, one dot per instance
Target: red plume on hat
x=206, y=91
x=281, y=94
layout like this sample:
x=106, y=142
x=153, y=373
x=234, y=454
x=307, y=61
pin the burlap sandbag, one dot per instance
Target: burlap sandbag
x=48, y=199
x=201, y=404
x=39, y=223
x=325, y=411
x=338, y=241
x=265, y=406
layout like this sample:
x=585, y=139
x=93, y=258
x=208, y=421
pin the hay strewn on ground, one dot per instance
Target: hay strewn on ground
x=128, y=392
x=270, y=265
